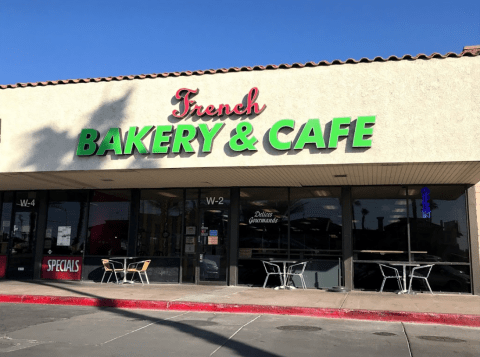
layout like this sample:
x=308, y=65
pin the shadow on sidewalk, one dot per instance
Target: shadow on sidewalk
x=212, y=337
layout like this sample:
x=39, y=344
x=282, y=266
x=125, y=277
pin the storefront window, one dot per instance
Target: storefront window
x=315, y=222
x=160, y=226
x=263, y=230
x=438, y=231
x=108, y=222
x=190, y=235
x=380, y=223
x=5, y=221
x=65, y=233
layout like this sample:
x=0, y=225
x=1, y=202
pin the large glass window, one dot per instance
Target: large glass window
x=380, y=223
x=315, y=222
x=5, y=221
x=108, y=222
x=441, y=234
x=160, y=226
x=263, y=230
x=65, y=233
x=432, y=229
x=191, y=231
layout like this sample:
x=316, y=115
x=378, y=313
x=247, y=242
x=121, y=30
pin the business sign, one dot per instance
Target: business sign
x=167, y=138
x=3, y=265
x=61, y=268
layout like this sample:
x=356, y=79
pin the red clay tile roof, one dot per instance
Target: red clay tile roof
x=469, y=51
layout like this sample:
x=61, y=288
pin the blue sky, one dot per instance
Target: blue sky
x=50, y=40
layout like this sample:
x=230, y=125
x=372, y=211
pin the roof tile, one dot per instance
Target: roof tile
x=468, y=51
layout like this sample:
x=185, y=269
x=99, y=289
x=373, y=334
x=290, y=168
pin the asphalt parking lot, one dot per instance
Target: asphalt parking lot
x=46, y=330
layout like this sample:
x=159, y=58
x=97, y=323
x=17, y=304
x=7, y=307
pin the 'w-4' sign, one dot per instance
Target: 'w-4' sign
x=26, y=203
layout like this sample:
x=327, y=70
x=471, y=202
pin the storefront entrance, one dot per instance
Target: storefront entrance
x=212, y=246
x=21, y=237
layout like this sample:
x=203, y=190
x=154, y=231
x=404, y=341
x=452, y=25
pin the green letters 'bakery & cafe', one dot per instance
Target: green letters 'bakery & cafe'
x=344, y=165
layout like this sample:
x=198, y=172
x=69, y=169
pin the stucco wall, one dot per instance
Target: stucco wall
x=426, y=111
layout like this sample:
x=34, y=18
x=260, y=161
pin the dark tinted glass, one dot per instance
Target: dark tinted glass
x=108, y=222
x=65, y=233
x=160, y=223
x=263, y=229
x=438, y=231
x=5, y=221
x=315, y=222
x=380, y=223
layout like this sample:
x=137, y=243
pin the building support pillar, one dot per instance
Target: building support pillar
x=347, y=239
x=41, y=198
x=473, y=199
x=233, y=246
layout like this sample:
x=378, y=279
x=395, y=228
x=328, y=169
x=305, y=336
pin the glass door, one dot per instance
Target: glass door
x=212, y=245
x=22, y=237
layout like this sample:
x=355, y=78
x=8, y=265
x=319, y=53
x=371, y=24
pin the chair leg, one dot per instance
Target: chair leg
x=140, y=275
x=429, y=288
x=109, y=277
x=399, y=281
x=410, y=286
x=304, y=285
x=383, y=284
x=101, y=281
x=265, y=283
x=146, y=277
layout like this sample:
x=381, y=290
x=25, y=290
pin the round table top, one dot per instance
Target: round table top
x=122, y=257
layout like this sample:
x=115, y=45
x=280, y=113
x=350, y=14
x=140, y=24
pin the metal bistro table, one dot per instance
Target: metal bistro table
x=124, y=281
x=404, y=265
x=285, y=262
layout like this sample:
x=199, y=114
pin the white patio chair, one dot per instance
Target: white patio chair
x=385, y=276
x=272, y=269
x=109, y=267
x=421, y=275
x=139, y=268
x=292, y=273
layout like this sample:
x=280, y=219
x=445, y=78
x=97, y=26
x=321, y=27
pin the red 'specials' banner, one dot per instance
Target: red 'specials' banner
x=3, y=265
x=62, y=268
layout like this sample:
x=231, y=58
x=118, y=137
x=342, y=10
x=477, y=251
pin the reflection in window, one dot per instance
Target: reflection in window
x=108, y=222
x=5, y=221
x=315, y=222
x=65, y=234
x=380, y=223
x=160, y=227
x=442, y=237
x=263, y=230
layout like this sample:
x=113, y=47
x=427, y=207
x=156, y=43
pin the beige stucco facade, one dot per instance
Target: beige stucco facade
x=426, y=131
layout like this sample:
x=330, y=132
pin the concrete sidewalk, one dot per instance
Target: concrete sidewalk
x=446, y=308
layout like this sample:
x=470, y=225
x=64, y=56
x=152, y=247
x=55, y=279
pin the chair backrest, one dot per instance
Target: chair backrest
x=424, y=274
x=383, y=266
x=146, y=263
x=107, y=265
x=270, y=267
x=302, y=266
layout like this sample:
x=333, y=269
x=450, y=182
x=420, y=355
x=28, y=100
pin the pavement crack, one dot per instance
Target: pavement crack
x=343, y=302
x=223, y=344
x=408, y=340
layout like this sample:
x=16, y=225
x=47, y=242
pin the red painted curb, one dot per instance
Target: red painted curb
x=372, y=315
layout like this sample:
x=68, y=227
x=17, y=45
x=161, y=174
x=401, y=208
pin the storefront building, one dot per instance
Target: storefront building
x=207, y=173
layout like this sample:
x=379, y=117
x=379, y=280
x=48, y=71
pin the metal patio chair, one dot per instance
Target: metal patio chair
x=385, y=277
x=109, y=267
x=272, y=269
x=421, y=275
x=139, y=268
x=292, y=273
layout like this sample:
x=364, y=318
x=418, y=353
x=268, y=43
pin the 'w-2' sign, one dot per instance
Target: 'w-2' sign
x=213, y=200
